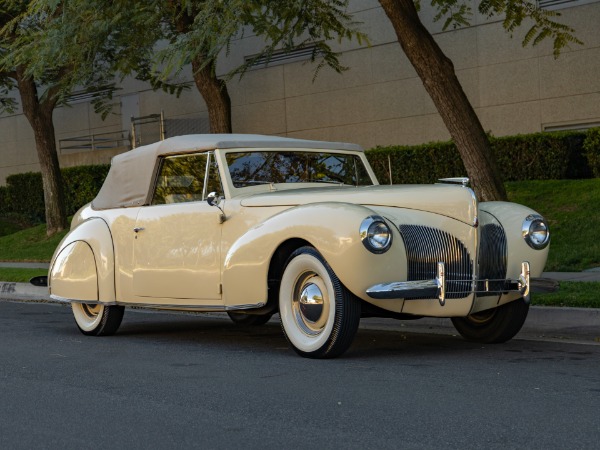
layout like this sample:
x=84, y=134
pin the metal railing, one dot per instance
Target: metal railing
x=138, y=125
x=98, y=141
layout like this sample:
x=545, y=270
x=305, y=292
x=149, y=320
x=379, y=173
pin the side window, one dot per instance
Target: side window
x=180, y=179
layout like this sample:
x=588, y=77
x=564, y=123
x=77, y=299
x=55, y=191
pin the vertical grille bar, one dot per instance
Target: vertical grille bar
x=493, y=251
x=426, y=246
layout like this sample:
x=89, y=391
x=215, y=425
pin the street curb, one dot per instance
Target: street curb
x=10, y=289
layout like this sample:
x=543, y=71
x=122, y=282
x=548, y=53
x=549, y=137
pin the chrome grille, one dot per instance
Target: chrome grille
x=426, y=246
x=493, y=252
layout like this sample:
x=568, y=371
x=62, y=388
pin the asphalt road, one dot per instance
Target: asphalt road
x=174, y=381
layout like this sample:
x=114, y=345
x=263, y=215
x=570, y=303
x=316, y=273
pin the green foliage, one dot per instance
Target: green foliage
x=4, y=200
x=543, y=22
x=20, y=275
x=591, y=145
x=24, y=193
x=154, y=40
x=571, y=294
x=31, y=244
x=8, y=227
x=539, y=156
x=571, y=209
x=421, y=164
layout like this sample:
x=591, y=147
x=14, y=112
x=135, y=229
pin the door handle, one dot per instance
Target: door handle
x=138, y=229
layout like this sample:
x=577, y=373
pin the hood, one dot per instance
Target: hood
x=457, y=202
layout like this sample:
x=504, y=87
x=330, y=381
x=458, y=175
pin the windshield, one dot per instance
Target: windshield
x=262, y=167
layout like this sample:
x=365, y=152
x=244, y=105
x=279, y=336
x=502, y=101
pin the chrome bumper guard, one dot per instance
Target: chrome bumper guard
x=436, y=288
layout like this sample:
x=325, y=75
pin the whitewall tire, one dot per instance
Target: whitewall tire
x=319, y=316
x=97, y=319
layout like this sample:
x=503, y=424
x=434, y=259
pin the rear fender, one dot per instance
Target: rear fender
x=83, y=265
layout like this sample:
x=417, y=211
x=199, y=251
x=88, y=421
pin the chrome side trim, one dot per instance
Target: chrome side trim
x=200, y=308
x=58, y=298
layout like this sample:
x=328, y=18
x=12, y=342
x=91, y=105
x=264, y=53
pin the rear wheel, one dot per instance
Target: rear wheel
x=319, y=316
x=250, y=320
x=97, y=319
x=494, y=325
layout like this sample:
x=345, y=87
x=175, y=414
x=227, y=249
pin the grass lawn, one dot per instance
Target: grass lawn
x=20, y=275
x=30, y=244
x=581, y=294
x=572, y=209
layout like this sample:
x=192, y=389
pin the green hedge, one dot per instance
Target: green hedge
x=23, y=194
x=540, y=156
x=591, y=146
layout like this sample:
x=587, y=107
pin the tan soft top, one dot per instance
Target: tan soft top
x=131, y=173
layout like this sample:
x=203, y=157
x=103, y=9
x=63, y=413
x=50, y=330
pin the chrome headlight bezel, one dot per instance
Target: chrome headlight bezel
x=536, y=232
x=371, y=231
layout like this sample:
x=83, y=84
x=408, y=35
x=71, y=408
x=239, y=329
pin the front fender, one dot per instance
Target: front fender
x=511, y=216
x=83, y=263
x=332, y=228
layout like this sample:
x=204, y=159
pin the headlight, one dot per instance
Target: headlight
x=375, y=234
x=536, y=232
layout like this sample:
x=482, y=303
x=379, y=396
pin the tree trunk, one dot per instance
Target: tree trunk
x=439, y=79
x=214, y=92
x=39, y=116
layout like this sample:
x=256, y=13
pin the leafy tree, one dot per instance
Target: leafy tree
x=38, y=103
x=439, y=78
x=157, y=39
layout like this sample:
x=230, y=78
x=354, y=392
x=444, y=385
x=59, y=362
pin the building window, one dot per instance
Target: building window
x=281, y=57
x=561, y=4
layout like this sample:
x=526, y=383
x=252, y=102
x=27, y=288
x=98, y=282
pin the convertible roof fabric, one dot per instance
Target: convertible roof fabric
x=130, y=177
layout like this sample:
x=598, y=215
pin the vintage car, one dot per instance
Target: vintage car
x=256, y=225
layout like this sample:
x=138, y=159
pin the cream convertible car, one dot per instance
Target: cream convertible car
x=254, y=225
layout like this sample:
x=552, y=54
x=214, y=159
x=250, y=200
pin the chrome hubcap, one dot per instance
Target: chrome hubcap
x=310, y=303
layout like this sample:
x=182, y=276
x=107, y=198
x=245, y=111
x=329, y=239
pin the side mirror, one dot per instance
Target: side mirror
x=213, y=199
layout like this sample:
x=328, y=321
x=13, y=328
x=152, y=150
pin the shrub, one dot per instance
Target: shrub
x=591, y=146
x=82, y=184
x=539, y=156
x=418, y=164
x=26, y=195
x=23, y=194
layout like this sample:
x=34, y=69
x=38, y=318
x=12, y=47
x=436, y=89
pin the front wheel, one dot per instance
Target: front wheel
x=494, y=325
x=97, y=319
x=319, y=316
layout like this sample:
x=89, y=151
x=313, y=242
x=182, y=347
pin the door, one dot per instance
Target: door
x=177, y=237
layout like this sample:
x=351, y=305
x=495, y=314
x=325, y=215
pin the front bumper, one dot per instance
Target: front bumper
x=436, y=288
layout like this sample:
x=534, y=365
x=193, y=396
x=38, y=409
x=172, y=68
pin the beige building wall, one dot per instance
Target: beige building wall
x=378, y=101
